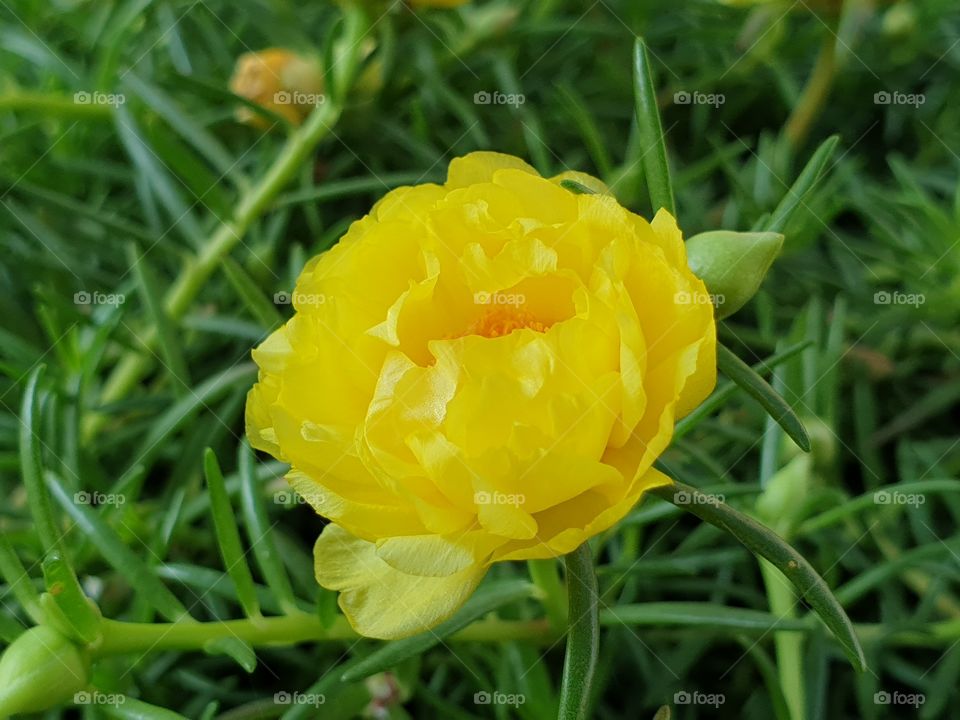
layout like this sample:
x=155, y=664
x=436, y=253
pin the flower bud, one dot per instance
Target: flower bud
x=783, y=499
x=732, y=264
x=279, y=80
x=39, y=670
x=900, y=21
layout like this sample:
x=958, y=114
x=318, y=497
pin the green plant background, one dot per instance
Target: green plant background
x=167, y=190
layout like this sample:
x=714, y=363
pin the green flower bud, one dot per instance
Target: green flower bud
x=782, y=499
x=900, y=21
x=40, y=669
x=732, y=264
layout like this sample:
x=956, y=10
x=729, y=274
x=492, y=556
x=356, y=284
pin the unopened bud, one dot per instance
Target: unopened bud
x=39, y=670
x=732, y=264
x=279, y=80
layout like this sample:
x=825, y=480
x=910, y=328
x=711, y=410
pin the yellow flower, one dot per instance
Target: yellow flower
x=279, y=80
x=479, y=371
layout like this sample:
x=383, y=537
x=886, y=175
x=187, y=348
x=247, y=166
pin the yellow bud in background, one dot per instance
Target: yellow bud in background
x=279, y=80
x=39, y=670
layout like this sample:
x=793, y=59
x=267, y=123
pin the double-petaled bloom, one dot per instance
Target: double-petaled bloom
x=479, y=371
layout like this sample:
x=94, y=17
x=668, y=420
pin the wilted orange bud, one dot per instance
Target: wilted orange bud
x=281, y=81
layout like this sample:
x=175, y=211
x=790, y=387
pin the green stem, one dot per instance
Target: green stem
x=815, y=92
x=125, y=637
x=545, y=575
x=253, y=203
x=54, y=104
x=583, y=637
x=789, y=646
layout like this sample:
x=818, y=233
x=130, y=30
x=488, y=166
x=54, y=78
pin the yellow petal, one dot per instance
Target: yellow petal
x=381, y=601
x=479, y=167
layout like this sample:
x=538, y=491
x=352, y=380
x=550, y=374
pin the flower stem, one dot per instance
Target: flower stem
x=815, y=92
x=126, y=637
x=546, y=577
x=583, y=636
x=251, y=205
x=120, y=637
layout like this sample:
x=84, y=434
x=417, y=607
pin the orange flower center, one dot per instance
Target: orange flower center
x=501, y=321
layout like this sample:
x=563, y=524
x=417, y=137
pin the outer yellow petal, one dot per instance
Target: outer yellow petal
x=381, y=601
x=479, y=167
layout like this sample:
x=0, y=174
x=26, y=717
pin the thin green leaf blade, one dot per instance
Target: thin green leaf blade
x=263, y=310
x=654, y=157
x=805, y=182
x=235, y=648
x=170, y=347
x=764, y=542
x=259, y=532
x=31, y=465
x=140, y=576
x=63, y=587
x=698, y=614
x=228, y=536
x=761, y=391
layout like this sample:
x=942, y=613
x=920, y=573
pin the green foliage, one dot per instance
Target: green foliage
x=145, y=239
